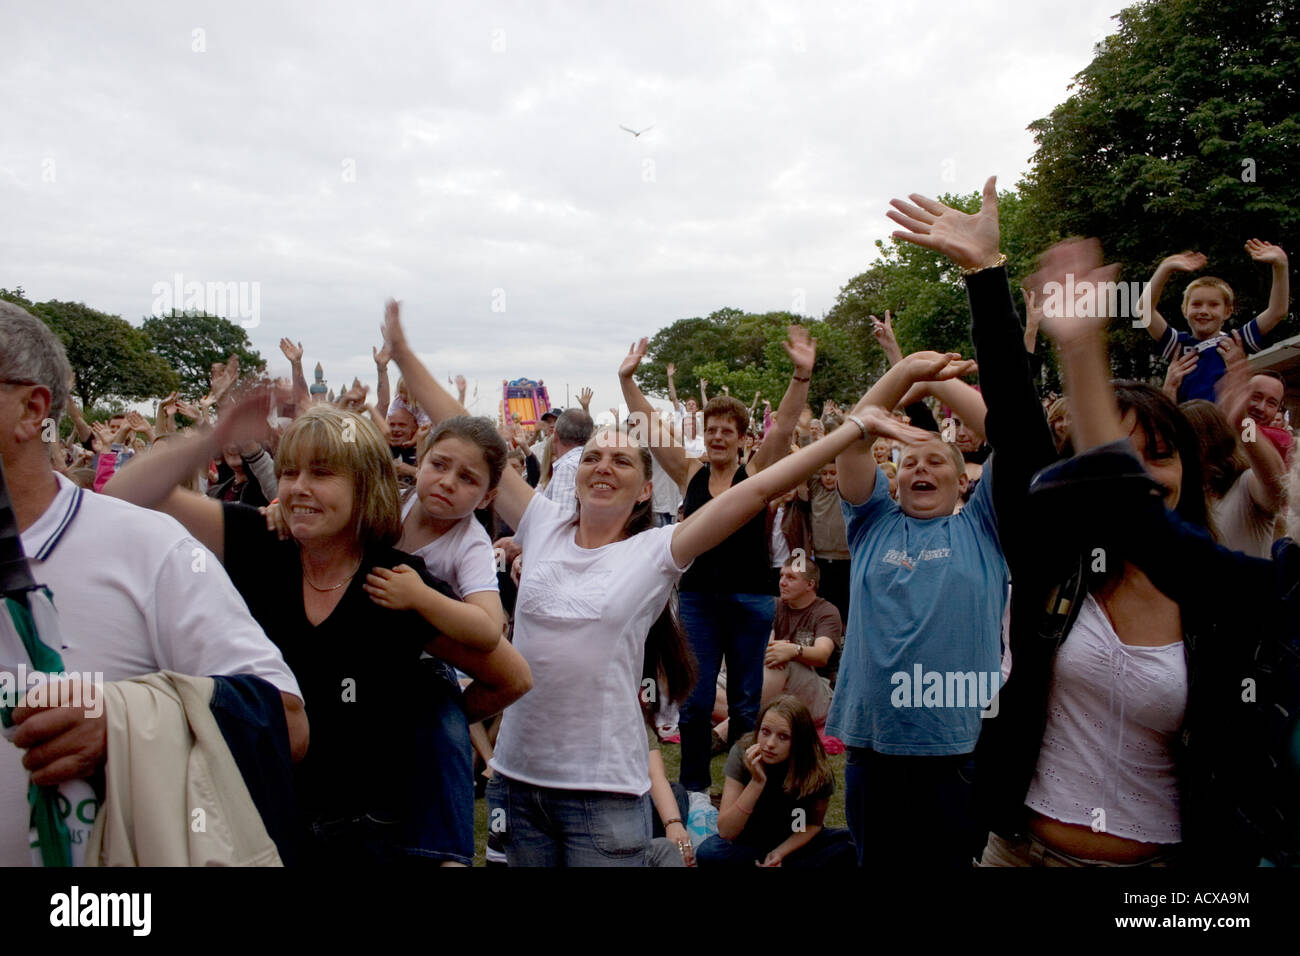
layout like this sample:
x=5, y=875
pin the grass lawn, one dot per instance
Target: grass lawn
x=672, y=754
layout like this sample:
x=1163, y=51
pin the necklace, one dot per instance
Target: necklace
x=317, y=587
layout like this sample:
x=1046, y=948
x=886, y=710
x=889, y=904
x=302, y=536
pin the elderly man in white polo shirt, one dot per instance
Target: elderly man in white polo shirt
x=135, y=592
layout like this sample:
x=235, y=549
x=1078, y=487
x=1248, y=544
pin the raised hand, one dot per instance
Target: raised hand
x=584, y=399
x=101, y=439
x=884, y=334
x=1262, y=251
x=670, y=369
x=394, y=336
x=224, y=378
x=970, y=242
x=1187, y=261
x=634, y=356
x=1080, y=259
x=382, y=355
x=291, y=351
x=461, y=385
x=1178, y=370
x=245, y=420
x=802, y=349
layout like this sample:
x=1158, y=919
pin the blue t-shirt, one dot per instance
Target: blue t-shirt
x=1209, y=369
x=923, y=640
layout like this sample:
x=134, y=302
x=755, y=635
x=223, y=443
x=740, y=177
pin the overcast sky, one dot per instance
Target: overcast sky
x=466, y=157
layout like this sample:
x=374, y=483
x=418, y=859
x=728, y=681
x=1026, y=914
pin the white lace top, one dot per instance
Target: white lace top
x=1112, y=713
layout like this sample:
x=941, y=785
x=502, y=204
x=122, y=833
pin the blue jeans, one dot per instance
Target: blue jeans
x=828, y=849
x=735, y=627
x=440, y=821
x=544, y=826
x=910, y=812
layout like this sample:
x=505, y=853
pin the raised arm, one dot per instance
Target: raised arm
x=1279, y=296
x=383, y=393
x=1150, y=319
x=1266, y=479
x=670, y=455
x=671, y=370
x=802, y=350
x=1015, y=424
x=513, y=492
x=293, y=352
x=884, y=333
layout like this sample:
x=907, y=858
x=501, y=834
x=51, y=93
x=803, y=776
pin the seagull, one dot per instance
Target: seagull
x=634, y=132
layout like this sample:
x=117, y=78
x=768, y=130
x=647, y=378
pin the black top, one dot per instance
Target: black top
x=358, y=669
x=770, y=824
x=740, y=564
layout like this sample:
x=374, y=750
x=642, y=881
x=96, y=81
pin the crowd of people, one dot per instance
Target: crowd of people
x=1046, y=630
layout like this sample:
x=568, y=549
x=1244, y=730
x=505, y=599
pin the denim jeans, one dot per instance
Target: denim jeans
x=440, y=821
x=735, y=627
x=544, y=826
x=910, y=811
x=826, y=850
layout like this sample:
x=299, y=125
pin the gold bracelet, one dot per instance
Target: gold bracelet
x=1001, y=260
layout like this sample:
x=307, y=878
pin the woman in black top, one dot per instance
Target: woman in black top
x=727, y=597
x=365, y=793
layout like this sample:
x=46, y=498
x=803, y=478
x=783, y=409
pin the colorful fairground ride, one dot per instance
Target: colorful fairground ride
x=524, y=401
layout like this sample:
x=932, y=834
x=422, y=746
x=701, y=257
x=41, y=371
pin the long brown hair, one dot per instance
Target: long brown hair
x=1222, y=459
x=808, y=770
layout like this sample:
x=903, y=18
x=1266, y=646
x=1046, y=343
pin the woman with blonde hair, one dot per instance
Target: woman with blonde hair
x=388, y=773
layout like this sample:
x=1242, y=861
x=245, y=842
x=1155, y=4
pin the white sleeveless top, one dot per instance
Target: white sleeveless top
x=1112, y=713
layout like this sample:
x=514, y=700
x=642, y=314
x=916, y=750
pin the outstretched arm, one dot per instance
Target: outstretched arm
x=802, y=350
x=293, y=352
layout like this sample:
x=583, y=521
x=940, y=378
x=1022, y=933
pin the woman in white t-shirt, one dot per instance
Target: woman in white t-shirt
x=572, y=769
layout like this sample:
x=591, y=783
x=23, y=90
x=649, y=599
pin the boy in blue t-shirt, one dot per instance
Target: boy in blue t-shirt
x=921, y=653
x=1207, y=303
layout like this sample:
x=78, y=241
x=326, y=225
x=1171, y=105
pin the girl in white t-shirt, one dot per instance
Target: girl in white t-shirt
x=572, y=768
x=461, y=463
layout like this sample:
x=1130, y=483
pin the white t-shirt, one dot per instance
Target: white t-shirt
x=135, y=594
x=581, y=622
x=1243, y=525
x=666, y=497
x=1112, y=712
x=462, y=557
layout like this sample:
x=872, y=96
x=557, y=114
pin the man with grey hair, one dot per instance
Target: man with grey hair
x=573, y=429
x=136, y=594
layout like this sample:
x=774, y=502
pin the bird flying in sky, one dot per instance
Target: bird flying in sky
x=634, y=132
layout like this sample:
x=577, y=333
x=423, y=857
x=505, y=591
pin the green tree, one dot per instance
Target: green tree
x=744, y=352
x=109, y=356
x=193, y=341
x=1180, y=134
